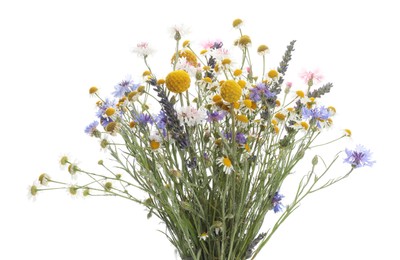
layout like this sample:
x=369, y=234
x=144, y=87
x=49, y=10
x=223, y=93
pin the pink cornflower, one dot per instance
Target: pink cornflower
x=310, y=77
x=143, y=49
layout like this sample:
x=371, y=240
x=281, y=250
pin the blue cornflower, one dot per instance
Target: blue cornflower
x=260, y=91
x=125, y=86
x=143, y=119
x=316, y=114
x=215, y=116
x=276, y=202
x=91, y=129
x=359, y=157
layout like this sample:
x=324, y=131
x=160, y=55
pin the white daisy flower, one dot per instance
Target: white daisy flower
x=226, y=163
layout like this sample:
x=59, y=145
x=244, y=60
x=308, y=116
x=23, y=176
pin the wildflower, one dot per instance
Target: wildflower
x=155, y=141
x=203, y=236
x=273, y=74
x=101, y=113
x=359, y=157
x=143, y=119
x=288, y=87
x=179, y=31
x=244, y=41
x=237, y=23
x=125, y=87
x=93, y=90
x=215, y=116
x=260, y=91
x=108, y=185
x=347, y=132
x=188, y=55
x=231, y=91
x=44, y=179
x=317, y=115
x=276, y=202
x=143, y=49
x=262, y=49
x=226, y=163
x=178, y=81
x=73, y=190
x=73, y=169
x=33, y=191
x=191, y=116
x=63, y=161
x=91, y=129
x=311, y=77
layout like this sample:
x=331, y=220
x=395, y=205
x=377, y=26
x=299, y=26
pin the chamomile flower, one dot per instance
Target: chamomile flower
x=226, y=163
x=203, y=236
x=73, y=190
x=44, y=179
x=33, y=191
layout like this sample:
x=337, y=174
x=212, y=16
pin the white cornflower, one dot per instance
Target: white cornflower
x=143, y=49
x=191, y=116
x=179, y=31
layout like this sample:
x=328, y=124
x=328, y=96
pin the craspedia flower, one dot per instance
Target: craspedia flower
x=177, y=81
x=231, y=91
x=273, y=74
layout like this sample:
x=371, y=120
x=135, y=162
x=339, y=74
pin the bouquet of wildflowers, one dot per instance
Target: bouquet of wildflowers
x=207, y=148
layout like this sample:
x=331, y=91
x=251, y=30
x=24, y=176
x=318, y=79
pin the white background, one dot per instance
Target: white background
x=51, y=52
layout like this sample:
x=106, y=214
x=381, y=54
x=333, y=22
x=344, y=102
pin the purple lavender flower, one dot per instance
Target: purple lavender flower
x=92, y=128
x=260, y=91
x=359, y=157
x=125, y=86
x=276, y=202
x=215, y=116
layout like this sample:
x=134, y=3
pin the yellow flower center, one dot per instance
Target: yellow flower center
x=92, y=90
x=262, y=49
x=347, y=132
x=304, y=125
x=237, y=72
x=231, y=91
x=227, y=162
x=188, y=55
x=110, y=111
x=242, y=118
x=280, y=116
x=236, y=23
x=185, y=43
x=208, y=80
x=244, y=41
x=146, y=73
x=248, y=103
x=178, y=81
x=226, y=61
x=154, y=144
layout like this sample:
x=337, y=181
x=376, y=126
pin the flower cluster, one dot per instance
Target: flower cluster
x=210, y=144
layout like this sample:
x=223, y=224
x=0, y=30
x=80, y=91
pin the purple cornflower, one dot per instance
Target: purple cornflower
x=359, y=157
x=143, y=119
x=215, y=116
x=91, y=129
x=259, y=91
x=125, y=86
x=240, y=137
x=317, y=114
x=276, y=202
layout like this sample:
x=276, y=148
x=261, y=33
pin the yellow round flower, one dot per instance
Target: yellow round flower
x=262, y=49
x=93, y=90
x=177, y=81
x=231, y=91
x=273, y=74
x=244, y=41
